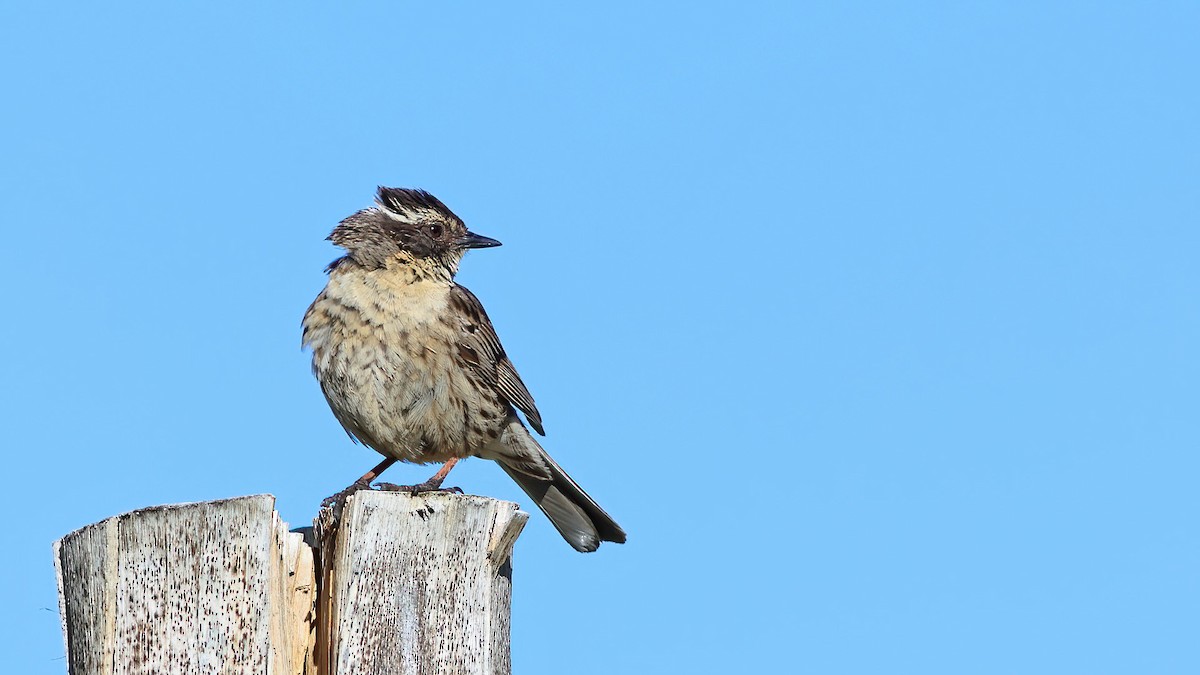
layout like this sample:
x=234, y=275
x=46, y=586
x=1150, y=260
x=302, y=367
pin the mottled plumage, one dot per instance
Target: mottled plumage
x=412, y=367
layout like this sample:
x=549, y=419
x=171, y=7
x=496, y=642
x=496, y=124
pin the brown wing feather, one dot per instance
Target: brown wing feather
x=480, y=348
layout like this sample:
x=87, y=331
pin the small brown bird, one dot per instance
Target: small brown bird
x=412, y=367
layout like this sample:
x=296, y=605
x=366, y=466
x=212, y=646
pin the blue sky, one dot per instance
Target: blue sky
x=874, y=325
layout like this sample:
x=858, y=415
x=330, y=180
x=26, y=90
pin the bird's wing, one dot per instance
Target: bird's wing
x=480, y=348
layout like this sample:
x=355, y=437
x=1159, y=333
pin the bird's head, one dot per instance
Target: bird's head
x=408, y=225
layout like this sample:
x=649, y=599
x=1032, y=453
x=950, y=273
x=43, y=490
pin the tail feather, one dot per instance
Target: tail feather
x=578, y=518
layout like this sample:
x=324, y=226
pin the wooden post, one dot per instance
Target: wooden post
x=417, y=584
x=212, y=587
x=406, y=585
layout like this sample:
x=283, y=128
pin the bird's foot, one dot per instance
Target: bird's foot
x=434, y=484
x=428, y=486
x=338, y=500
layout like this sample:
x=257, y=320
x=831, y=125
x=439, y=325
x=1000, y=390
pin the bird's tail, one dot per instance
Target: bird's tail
x=578, y=518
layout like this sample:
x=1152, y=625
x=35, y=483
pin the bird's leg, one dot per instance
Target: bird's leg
x=363, y=483
x=432, y=485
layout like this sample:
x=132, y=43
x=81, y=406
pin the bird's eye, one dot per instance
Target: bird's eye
x=435, y=230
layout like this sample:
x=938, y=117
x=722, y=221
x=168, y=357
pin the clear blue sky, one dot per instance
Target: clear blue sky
x=875, y=325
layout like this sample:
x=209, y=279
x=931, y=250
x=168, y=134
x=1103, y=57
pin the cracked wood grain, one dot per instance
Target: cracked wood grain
x=417, y=584
x=402, y=584
x=212, y=587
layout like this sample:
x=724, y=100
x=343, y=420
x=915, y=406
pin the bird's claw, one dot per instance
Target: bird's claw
x=339, y=499
x=414, y=490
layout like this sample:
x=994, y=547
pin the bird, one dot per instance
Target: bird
x=412, y=367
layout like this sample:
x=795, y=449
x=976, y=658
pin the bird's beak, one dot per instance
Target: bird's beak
x=472, y=240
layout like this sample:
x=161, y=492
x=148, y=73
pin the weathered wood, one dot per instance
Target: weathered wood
x=416, y=584
x=408, y=584
x=214, y=587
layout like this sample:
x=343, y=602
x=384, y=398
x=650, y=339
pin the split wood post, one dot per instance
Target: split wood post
x=406, y=584
x=416, y=584
x=210, y=587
